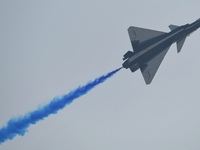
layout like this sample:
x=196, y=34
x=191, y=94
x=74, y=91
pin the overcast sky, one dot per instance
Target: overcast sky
x=48, y=48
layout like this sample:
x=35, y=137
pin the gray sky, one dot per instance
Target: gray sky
x=49, y=47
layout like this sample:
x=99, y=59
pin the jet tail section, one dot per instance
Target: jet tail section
x=150, y=68
x=127, y=55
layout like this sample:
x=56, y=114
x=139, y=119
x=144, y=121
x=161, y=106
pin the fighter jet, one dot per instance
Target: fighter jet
x=150, y=47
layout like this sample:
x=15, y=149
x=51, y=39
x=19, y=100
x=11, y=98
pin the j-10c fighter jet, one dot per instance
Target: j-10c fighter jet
x=150, y=47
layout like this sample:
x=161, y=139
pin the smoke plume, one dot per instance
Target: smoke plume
x=19, y=125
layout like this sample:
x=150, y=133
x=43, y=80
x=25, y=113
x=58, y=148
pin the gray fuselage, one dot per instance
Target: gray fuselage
x=152, y=47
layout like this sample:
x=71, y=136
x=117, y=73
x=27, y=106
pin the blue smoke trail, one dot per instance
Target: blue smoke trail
x=18, y=126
